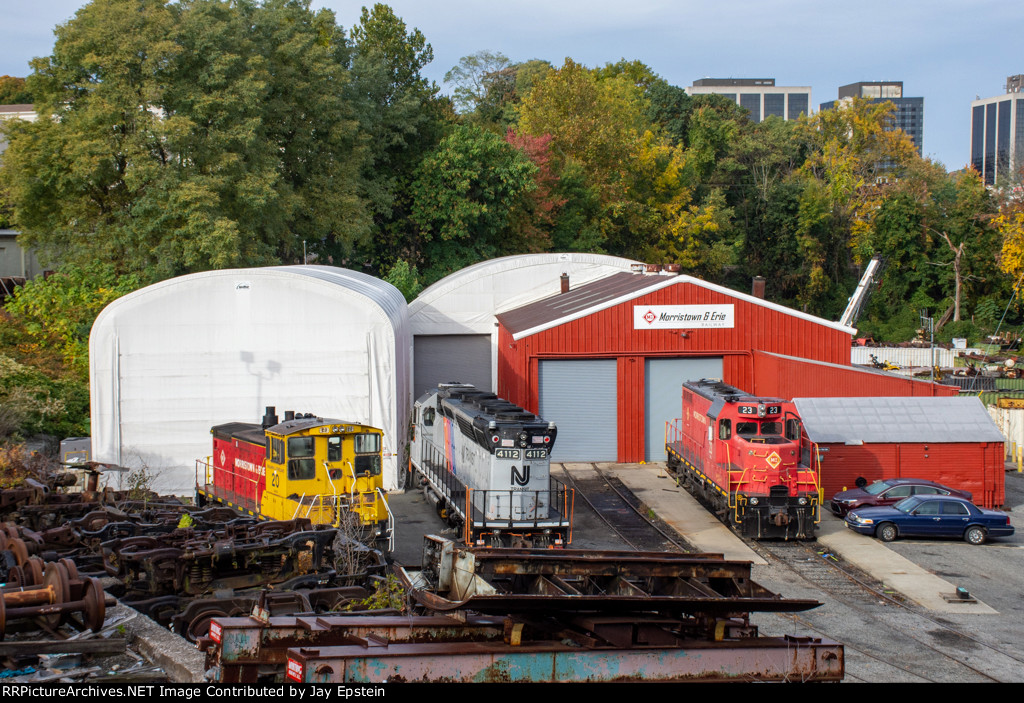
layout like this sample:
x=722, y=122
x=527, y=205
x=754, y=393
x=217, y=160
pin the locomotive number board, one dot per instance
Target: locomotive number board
x=506, y=453
x=752, y=409
x=536, y=453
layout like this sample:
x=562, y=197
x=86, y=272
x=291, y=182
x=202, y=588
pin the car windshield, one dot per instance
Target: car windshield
x=907, y=504
x=876, y=487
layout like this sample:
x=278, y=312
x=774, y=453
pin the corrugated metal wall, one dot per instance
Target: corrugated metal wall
x=973, y=466
x=609, y=334
x=796, y=378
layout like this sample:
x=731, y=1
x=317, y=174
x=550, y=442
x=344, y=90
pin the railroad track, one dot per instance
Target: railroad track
x=620, y=510
x=899, y=641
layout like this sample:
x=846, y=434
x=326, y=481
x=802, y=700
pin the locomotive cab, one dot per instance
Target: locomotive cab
x=326, y=470
x=742, y=454
x=317, y=470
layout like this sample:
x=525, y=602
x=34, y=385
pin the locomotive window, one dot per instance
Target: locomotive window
x=428, y=416
x=277, y=450
x=793, y=429
x=724, y=429
x=771, y=428
x=746, y=428
x=368, y=464
x=301, y=469
x=367, y=443
x=334, y=449
x=300, y=447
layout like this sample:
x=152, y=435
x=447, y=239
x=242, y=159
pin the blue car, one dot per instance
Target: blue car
x=930, y=516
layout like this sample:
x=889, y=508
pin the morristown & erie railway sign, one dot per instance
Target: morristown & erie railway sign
x=681, y=317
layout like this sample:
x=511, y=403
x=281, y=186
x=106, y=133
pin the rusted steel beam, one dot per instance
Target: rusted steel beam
x=507, y=580
x=776, y=659
x=241, y=649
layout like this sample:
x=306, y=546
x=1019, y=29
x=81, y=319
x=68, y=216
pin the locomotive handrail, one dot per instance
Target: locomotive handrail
x=221, y=491
x=336, y=519
x=391, y=521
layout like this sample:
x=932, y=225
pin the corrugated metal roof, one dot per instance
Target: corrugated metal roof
x=613, y=290
x=897, y=419
x=584, y=299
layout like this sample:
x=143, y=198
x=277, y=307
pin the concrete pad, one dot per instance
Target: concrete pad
x=894, y=570
x=179, y=659
x=652, y=484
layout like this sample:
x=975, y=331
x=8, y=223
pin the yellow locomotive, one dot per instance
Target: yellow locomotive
x=306, y=466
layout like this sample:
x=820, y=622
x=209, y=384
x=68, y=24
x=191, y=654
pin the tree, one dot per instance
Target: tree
x=959, y=216
x=538, y=211
x=473, y=77
x=464, y=197
x=44, y=335
x=401, y=120
x=13, y=91
x=194, y=135
x=596, y=122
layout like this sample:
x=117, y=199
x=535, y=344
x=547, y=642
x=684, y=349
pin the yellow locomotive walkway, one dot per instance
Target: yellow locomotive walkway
x=652, y=485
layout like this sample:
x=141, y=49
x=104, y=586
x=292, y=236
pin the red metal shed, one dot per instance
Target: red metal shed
x=791, y=377
x=949, y=440
x=606, y=361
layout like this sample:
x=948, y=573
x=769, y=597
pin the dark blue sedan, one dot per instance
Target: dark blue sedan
x=930, y=516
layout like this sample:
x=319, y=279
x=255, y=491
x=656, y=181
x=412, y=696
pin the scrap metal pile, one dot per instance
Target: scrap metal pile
x=179, y=565
x=480, y=615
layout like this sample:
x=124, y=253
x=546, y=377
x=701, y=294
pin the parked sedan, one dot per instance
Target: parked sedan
x=930, y=516
x=888, y=492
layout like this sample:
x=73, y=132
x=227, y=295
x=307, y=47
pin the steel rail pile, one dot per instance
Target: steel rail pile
x=538, y=615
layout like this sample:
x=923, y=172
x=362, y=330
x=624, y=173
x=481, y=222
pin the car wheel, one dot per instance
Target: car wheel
x=975, y=535
x=886, y=532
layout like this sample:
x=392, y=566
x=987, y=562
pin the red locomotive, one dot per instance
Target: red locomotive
x=743, y=456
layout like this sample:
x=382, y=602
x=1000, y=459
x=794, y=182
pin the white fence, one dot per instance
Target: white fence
x=907, y=356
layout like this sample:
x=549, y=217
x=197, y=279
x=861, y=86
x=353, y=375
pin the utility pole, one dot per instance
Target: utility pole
x=929, y=324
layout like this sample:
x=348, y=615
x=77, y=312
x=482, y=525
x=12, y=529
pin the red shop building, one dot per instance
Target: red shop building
x=606, y=361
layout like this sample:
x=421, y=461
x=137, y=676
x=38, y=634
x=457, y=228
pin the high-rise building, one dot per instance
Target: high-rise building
x=909, y=113
x=758, y=95
x=997, y=132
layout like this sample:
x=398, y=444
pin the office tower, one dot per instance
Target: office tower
x=758, y=95
x=909, y=113
x=997, y=133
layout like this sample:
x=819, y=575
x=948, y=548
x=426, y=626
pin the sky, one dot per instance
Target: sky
x=947, y=51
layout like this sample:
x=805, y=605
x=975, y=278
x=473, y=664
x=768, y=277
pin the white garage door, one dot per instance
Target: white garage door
x=663, y=384
x=580, y=397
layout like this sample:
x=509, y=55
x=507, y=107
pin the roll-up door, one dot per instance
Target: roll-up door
x=441, y=358
x=580, y=397
x=663, y=384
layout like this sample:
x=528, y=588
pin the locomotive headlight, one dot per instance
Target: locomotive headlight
x=802, y=501
x=761, y=410
x=753, y=500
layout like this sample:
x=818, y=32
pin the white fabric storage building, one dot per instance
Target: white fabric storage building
x=168, y=362
x=453, y=323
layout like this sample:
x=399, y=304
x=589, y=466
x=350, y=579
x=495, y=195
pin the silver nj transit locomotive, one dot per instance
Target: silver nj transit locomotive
x=485, y=463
